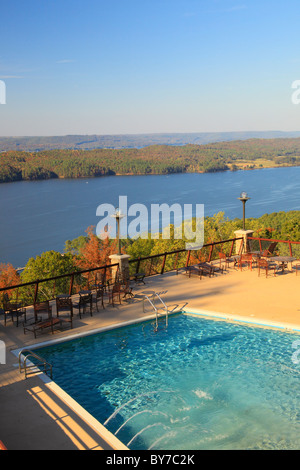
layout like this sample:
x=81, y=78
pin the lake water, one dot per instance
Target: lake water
x=38, y=216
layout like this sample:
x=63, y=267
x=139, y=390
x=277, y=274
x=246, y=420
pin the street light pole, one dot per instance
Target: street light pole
x=244, y=198
x=117, y=215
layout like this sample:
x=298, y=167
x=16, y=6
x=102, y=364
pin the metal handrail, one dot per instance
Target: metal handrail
x=155, y=308
x=167, y=310
x=146, y=297
x=46, y=365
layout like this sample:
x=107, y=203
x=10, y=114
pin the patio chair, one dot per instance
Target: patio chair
x=101, y=280
x=41, y=308
x=12, y=309
x=266, y=266
x=85, y=300
x=126, y=290
x=296, y=266
x=245, y=258
x=64, y=305
x=226, y=260
x=98, y=296
x=115, y=292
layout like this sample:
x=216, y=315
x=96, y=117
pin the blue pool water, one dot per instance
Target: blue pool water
x=198, y=384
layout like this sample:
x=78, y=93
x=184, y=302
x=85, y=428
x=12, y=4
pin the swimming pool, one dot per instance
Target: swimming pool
x=196, y=384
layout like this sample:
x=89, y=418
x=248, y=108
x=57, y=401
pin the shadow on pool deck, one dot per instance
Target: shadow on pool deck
x=33, y=416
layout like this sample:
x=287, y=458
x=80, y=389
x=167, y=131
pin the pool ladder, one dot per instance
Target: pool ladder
x=31, y=368
x=157, y=310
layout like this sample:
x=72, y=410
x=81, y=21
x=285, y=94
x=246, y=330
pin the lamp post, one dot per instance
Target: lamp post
x=118, y=215
x=244, y=198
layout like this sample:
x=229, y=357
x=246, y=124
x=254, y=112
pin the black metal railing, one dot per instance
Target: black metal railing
x=71, y=283
x=48, y=288
x=278, y=247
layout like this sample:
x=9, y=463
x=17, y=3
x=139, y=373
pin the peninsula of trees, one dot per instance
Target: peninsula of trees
x=154, y=159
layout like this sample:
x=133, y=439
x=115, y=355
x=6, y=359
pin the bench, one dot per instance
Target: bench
x=139, y=277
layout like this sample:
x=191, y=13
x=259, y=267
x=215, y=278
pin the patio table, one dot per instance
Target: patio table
x=282, y=260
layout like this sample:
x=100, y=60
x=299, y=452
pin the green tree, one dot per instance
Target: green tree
x=75, y=246
x=47, y=265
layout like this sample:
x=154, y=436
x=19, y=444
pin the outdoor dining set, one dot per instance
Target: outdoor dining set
x=266, y=263
x=60, y=311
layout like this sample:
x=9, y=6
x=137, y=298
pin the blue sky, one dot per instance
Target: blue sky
x=148, y=66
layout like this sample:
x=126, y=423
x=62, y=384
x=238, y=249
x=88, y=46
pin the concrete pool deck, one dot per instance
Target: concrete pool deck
x=35, y=416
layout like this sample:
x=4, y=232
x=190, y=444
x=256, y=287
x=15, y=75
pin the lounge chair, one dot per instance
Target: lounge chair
x=270, y=250
x=209, y=269
x=194, y=270
x=51, y=323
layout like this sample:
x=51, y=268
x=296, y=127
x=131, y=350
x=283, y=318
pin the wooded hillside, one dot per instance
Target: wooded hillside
x=155, y=159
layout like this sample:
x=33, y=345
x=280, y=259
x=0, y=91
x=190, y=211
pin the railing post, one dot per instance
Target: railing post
x=290, y=246
x=150, y=270
x=188, y=258
x=210, y=252
x=163, y=264
x=138, y=265
x=231, y=248
x=71, y=284
x=36, y=291
x=176, y=260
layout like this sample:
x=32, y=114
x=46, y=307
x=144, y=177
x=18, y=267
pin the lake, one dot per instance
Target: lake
x=37, y=216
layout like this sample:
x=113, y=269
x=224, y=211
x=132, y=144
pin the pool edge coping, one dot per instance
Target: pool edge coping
x=257, y=322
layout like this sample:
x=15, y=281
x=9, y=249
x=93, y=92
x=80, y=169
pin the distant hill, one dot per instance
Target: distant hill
x=90, y=142
x=17, y=165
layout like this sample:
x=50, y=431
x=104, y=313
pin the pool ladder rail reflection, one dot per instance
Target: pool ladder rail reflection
x=162, y=310
x=31, y=369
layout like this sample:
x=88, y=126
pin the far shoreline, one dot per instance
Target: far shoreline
x=274, y=167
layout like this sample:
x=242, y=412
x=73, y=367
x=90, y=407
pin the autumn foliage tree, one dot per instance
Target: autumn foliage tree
x=95, y=252
x=8, y=277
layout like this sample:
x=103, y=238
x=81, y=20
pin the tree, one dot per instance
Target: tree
x=47, y=265
x=8, y=277
x=96, y=251
x=75, y=246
